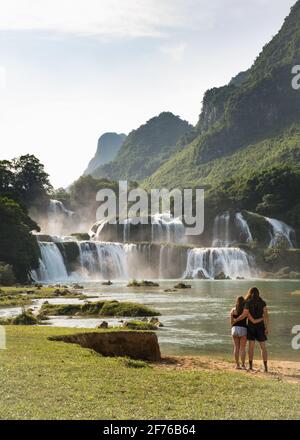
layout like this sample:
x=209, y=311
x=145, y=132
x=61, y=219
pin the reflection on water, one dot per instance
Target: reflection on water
x=196, y=321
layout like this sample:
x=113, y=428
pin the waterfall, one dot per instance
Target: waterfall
x=159, y=228
x=230, y=229
x=59, y=219
x=112, y=260
x=233, y=262
x=167, y=229
x=56, y=208
x=95, y=261
x=221, y=232
x=67, y=261
x=243, y=227
x=52, y=265
x=281, y=230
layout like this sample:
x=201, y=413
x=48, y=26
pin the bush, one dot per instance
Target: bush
x=7, y=276
x=25, y=318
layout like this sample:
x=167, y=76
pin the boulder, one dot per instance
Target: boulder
x=222, y=276
x=134, y=344
x=103, y=324
x=182, y=286
x=201, y=275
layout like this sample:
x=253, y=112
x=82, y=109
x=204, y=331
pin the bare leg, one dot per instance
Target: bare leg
x=251, y=353
x=264, y=354
x=243, y=343
x=236, y=342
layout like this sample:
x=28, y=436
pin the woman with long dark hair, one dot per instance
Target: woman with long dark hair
x=239, y=333
x=256, y=312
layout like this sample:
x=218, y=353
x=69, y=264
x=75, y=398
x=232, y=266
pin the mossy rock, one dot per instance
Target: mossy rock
x=25, y=318
x=182, y=286
x=70, y=250
x=222, y=276
x=139, y=325
x=259, y=227
x=143, y=283
x=99, y=308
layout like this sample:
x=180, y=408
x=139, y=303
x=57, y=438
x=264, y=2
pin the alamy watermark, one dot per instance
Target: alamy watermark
x=296, y=78
x=296, y=338
x=141, y=206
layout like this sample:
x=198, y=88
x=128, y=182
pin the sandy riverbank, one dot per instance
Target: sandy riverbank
x=286, y=371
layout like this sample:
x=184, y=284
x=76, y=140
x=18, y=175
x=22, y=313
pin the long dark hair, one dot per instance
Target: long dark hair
x=253, y=295
x=239, y=305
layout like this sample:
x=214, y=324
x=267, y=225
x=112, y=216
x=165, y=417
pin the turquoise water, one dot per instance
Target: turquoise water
x=196, y=321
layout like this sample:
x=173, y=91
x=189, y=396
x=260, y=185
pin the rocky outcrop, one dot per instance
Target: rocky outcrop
x=136, y=345
x=146, y=148
x=108, y=147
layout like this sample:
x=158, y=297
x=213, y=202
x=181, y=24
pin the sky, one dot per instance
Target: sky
x=71, y=70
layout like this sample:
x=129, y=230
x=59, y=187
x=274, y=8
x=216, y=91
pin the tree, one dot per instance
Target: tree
x=6, y=178
x=18, y=247
x=31, y=182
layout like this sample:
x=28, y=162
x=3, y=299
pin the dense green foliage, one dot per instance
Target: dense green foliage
x=146, y=148
x=7, y=276
x=18, y=247
x=246, y=129
x=24, y=185
x=24, y=179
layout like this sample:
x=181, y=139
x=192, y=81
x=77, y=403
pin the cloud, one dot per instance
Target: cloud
x=174, y=52
x=133, y=18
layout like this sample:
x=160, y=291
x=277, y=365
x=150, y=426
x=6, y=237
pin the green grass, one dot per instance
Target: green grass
x=42, y=379
x=99, y=308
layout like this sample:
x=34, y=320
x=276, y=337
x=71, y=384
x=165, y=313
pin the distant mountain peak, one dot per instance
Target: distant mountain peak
x=146, y=148
x=108, y=147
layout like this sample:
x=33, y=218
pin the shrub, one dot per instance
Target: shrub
x=25, y=318
x=7, y=276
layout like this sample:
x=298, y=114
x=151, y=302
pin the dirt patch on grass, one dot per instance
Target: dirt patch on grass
x=286, y=371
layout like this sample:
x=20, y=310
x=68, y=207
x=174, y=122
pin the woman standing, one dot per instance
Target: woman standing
x=239, y=333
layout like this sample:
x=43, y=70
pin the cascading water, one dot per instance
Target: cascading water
x=112, y=260
x=221, y=231
x=167, y=229
x=52, y=265
x=57, y=208
x=210, y=262
x=95, y=261
x=65, y=261
x=59, y=219
x=230, y=229
x=160, y=228
x=243, y=228
x=281, y=230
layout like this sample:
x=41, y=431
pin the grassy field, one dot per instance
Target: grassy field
x=41, y=379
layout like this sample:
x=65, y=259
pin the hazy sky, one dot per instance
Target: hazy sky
x=71, y=70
